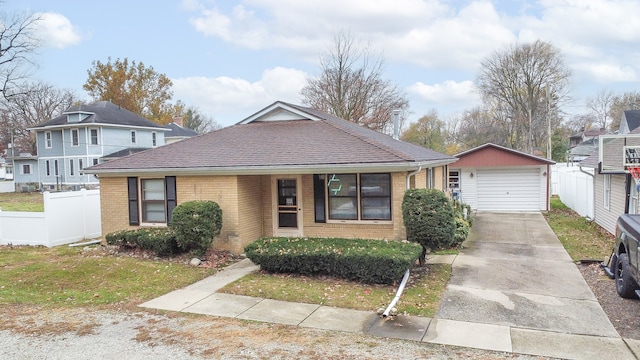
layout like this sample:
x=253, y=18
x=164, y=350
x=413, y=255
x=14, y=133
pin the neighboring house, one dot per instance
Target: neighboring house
x=25, y=167
x=177, y=132
x=495, y=178
x=583, y=150
x=614, y=190
x=286, y=170
x=584, y=135
x=81, y=137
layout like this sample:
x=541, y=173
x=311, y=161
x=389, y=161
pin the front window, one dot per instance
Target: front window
x=358, y=197
x=75, y=138
x=93, y=135
x=48, y=142
x=153, y=205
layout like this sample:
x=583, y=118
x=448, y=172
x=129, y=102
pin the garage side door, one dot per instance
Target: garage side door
x=508, y=189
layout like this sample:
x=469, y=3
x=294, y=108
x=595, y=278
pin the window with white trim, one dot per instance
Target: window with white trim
x=26, y=169
x=72, y=170
x=47, y=167
x=607, y=191
x=454, y=180
x=55, y=168
x=154, y=139
x=75, y=137
x=151, y=200
x=133, y=136
x=48, y=142
x=93, y=136
x=80, y=164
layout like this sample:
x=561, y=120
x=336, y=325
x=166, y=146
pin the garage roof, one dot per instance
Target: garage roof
x=492, y=155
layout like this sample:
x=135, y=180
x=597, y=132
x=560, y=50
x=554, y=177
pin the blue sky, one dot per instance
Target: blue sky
x=231, y=58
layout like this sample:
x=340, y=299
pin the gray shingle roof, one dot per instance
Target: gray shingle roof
x=102, y=112
x=328, y=142
x=178, y=131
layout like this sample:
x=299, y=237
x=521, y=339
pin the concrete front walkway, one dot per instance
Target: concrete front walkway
x=513, y=289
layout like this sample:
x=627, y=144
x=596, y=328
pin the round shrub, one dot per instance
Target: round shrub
x=429, y=219
x=196, y=224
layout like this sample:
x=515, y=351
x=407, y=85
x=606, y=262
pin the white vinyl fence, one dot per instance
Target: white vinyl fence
x=574, y=187
x=68, y=217
x=7, y=186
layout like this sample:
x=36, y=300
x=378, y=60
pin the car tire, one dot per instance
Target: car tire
x=625, y=285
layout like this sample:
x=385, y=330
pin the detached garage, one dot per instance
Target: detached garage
x=495, y=178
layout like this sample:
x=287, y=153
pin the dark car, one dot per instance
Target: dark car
x=623, y=262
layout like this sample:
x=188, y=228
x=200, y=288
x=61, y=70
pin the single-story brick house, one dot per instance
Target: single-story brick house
x=286, y=170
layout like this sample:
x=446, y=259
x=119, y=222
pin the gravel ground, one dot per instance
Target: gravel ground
x=623, y=313
x=109, y=334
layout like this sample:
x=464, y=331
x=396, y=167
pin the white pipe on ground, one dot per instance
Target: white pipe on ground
x=86, y=243
x=398, y=293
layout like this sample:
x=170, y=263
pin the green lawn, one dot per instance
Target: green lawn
x=16, y=201
x=65, y=276
x=583, y=239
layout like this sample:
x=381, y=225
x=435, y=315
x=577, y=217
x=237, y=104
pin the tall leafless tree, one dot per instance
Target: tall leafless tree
x=521, y=80
x=32, y=104
x=17, y=49
x=350, y=85
x=600, y=106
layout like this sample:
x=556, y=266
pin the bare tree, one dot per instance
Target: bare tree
x=350, y=86
x=521, y=80
x=17, y=47
x=198, y=122
x=479, y=126
x=32, y=104
x=600, y=106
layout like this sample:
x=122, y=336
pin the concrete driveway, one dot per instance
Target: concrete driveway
x=513, y=271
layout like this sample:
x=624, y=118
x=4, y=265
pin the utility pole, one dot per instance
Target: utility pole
x=548, y=122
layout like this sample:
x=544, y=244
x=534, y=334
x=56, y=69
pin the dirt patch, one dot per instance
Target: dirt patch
x=624, y=314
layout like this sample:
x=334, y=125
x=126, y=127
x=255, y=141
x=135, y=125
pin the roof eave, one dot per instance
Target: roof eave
x=275, y=170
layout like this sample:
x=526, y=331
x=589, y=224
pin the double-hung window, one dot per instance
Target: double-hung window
x=133, y=136
x=154, y=139
x=151, y=200
x=607, y=191
x=72, y=170
x=353, y=197
x=93, y=136
x=75, y=137
x=26, y=169
x=48, y=141
x=47, y=167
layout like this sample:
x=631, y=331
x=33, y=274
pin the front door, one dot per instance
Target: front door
x=287, y=206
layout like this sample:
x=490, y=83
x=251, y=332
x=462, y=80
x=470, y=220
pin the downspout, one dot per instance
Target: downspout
x=409, y=175
x=406, y=273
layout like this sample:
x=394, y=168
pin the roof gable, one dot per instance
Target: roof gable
x=488, y=155
x=279, y=111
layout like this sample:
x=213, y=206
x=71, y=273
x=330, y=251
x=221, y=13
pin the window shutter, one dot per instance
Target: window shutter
x=132, y=184
x=319, y=185
x=170, y=190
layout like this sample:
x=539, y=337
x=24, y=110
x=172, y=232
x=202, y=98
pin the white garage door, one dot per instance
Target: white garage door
x=509, y=189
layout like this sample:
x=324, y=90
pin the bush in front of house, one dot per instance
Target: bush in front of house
x=463, y=223
x=159, y=240
x=429, y=219
x=364, y=260
x=196, y=224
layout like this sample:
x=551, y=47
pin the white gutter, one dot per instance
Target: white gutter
x=270, y=170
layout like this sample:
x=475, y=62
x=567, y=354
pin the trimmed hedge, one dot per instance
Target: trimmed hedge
x=364, y=260
x=160, y=240
x=196, y=224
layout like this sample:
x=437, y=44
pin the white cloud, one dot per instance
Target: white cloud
x=447, y=93
x=55, y=30
x=230, y=100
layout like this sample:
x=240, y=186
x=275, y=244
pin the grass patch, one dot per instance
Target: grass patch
x=17, y=201
x=69, y=277
x=421, y=296
x=583, y=239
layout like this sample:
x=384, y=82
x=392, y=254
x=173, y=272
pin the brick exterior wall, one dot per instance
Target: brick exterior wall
x=247, y=207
